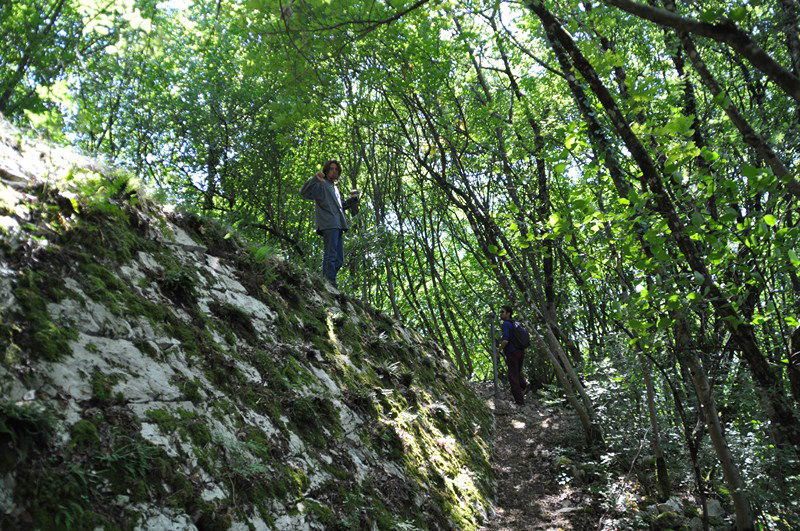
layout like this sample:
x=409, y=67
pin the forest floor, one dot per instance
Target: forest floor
x=534, y=490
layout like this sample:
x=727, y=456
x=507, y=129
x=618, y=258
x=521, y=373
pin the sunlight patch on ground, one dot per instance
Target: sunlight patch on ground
x=518, y=425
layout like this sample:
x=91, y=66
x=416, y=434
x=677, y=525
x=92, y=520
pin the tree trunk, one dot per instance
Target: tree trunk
x=661, y=466
x=685, y=352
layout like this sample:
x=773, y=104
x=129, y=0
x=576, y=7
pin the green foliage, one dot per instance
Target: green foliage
x=236, y=319
x=315, y=419
x=178, y=283
x=37, y=335
x=103, y=387
x=482, y=185
x=23, y=428
x=84, y=434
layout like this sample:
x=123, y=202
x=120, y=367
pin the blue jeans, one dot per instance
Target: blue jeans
x=333, y=256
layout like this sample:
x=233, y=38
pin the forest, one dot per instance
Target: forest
x=623, y=173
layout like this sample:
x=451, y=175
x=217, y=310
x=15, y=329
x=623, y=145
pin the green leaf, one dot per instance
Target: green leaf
x=794, y=258
x=737, y=14
x=560, y=167
x=553, y=220
x=709, y=155
x=699, y=278
x=493, y=249
x=722, y=100
x=710, y=15
x=750, y=172
x=770, y=220
x=791, y=321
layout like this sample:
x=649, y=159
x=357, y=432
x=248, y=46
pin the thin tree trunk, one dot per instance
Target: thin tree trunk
x=683, y=344
x=661, y=466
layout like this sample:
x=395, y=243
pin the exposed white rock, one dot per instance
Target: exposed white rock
x=261, y=422
x=392, y=469
x=714, y=507
x=184, y=240
x=289, y=522
x=212, y=490
x=262, y=316
x=326, y=381
x=159, y=518
x=225, y=279
x=250, y=372
x=7, y=484
x=151, y=433
x=141, y=329
x=673, y=504
x=146, y=380
x=163, y=376
x=16, y=166
x=361, y=469
x=148, y=262
x=70, y=312
x=12, y=234
x=254, y=523
x=10, y=386
x=350, y=423
x=296, y=446
x=132, y=273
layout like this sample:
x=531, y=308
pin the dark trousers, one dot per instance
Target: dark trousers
x=333, y=255
x=515, y=378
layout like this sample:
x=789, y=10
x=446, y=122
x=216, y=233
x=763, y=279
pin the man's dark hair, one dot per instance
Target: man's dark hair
x=328, y=166
x=508, y=309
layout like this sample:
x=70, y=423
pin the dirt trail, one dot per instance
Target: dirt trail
x=526, y=465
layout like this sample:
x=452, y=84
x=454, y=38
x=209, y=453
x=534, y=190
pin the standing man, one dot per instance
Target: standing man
x=514, y=354
x=329, y=215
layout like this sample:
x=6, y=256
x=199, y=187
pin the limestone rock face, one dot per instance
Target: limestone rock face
x=158, y=372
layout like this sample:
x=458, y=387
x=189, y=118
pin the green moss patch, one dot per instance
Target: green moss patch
x=36, y=334
x=103, y=387
x=23, y=429
x=179, y=283
x=187, y=424
x=236, y=319
x=315, y=419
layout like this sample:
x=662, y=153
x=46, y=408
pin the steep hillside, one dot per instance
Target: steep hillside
x=157, y=372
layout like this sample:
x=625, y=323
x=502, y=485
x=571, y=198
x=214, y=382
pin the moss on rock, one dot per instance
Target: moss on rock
x=304, y=427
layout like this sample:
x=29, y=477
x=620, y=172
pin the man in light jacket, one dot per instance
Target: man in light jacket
x=330, y=219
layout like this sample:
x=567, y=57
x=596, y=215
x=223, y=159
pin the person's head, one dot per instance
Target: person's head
x=332, y=170
x=506, y=313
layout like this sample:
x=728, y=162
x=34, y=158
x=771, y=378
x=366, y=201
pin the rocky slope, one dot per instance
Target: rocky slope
x=158, y=372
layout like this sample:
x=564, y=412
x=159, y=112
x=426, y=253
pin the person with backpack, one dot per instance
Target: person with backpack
x=329, y=216
x=514, y=342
